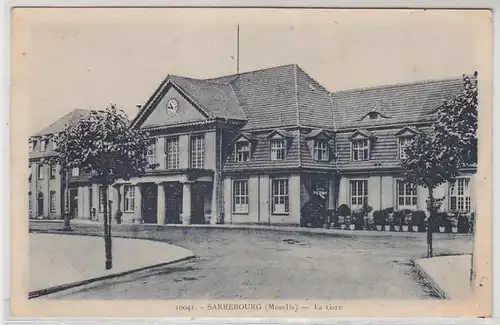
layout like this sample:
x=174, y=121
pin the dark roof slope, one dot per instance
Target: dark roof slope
x=68, y=119
x=219, y=100
x=400, y=103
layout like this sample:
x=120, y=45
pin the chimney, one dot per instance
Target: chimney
x=138, y=108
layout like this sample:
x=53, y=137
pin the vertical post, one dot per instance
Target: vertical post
x=161, y=204
x=238, y=49
x=67, y=216
x=186, y=203
x=107, y=229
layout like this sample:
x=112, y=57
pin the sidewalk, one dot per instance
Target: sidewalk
x=58, y=262
x=449, y=275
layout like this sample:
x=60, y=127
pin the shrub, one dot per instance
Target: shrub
x=418, y=218
x=358, y=219
x=380, y=217
x=388, y=210
x=119, y=215
x=398, y=218
x=313, y=213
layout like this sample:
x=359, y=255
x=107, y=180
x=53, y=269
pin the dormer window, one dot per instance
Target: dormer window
x=54, y=144
x=31, y=146
x=43, y=144
x=404, y=138
x=321, y=150
x=242, y=151
x=360, y=149
x=277, y=149
x=373, y=115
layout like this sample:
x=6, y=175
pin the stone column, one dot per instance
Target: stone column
x=161, y=204
x=331, y=193
x=214, y=213
x=80, y=205
x=186, y=203
x=138, y=203
x=113, y=196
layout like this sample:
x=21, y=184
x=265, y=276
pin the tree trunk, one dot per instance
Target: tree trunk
x=430, y=223
x=107, y=229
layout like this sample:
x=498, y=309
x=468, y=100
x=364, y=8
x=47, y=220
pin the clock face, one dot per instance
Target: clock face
x=172, y=107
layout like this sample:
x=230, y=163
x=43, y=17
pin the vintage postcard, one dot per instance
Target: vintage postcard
x=225, y=162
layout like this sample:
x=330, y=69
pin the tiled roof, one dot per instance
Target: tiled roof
x=218, y=100
x=400, y=103
x=68, y=119
x=280, y=96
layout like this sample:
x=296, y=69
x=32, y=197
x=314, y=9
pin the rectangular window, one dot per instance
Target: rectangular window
x=53, y=171
x=129, y=191
x=172, y=152
x=403, y=144
x=242, y=151
x=42, y=145
x=360, y=150
x=75, y=171
x=460, y=195
x=240, y=196
x=277, y=150
x=197, y=151
x=321, y=150
x=151, y=154
x=31, y=146
x=54, y=144
x=29, y=172
x=40, y=171
x=101, y=199
x=52, y=201
x=280, y=196
x=359, y=194
x=406, y=195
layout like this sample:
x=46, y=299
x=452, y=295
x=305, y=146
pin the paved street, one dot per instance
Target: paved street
x=257, y=264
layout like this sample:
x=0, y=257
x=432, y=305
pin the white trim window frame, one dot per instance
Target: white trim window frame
x=197, y=147
x=278, y=151
x=406, y=195
x=240, y=196
x=403, y=143
x=31, y=146
x=321, y=152
x=30, y=203
x=40, y=171
x=358, y=190
x=280, y=196
x=459, y=194
x=360, y=149
x=172, y=153
x=242, y=150
x=53, y=171
x=75, y=171
x=129, y=198
x=43, y=145
x=151, y=154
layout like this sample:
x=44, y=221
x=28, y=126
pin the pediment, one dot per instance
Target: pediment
x=360, y=134
x=318, y=134
x=169, y=105
x=244, y=137
x=407, y=131
x=279, y=134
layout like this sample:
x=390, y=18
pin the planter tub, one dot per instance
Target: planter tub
x=454, y=230
x=342, y=227
x=405, y=228
x=442, y=229
x=352, y=227
x=397, y=228
x=414, y=228
x=379, y=227
x=387, y=228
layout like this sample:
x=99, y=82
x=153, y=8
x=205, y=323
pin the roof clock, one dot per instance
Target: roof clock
x=172, y=107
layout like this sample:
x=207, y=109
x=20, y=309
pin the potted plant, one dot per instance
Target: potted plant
x=438, y=222
x=343, y=226
x=379, y=219
x=397, y=219
x=463, y=224
x=418, y=221
x=358, y=220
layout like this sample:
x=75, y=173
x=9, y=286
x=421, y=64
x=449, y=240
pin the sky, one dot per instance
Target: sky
x=71, y=58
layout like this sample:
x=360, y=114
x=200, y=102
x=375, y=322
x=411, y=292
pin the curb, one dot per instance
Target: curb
x=430, y=281
x=47, y=291
x=299, y=230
